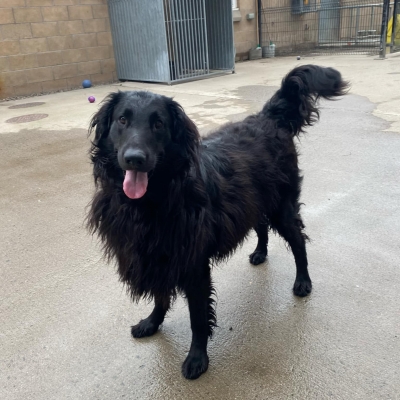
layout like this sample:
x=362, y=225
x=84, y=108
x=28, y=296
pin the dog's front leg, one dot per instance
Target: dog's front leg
x=202, y=320
x=149, y=325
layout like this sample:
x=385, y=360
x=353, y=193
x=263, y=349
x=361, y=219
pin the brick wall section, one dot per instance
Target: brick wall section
x=50, y=45
x=245, y=31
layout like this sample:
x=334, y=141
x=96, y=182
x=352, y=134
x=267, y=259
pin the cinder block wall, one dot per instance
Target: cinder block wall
x=245, y=31
x=50, y=45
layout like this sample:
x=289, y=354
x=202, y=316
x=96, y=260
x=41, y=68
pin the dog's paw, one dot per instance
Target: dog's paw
x=144, y=328
x=196, y=363
x=302, y=288
x=258, y=257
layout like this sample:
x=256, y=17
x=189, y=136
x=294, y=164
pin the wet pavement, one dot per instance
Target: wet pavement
x=65, y=318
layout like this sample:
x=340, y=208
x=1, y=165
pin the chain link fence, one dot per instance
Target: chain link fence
x=312, y=27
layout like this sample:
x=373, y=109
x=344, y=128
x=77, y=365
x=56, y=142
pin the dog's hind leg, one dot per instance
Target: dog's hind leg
x=149, y=325
x=260, y=253
x=202, y=321
x=289, y=225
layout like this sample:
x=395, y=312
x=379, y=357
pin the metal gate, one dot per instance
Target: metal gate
x=329, y=21
x=171, y=40
x=323, y=26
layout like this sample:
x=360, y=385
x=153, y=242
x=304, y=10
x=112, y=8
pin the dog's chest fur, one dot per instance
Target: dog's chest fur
x=154, y=244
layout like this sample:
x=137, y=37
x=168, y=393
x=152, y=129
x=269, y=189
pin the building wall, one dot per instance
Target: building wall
x=50, y=45
x=245, y=31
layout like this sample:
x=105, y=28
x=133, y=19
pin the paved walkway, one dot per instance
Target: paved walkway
x=65, y=318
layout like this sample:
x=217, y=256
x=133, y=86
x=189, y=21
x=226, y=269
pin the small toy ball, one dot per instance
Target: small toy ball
x=298, y=57
x=86, y=83
x=91, y=99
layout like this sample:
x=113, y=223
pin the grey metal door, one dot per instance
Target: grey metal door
x=329, y=21
x=171, y=40
x=187, y=38
x=220, y=34
x=140, y=43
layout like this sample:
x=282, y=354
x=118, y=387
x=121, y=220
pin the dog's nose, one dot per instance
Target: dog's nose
x=134, y=157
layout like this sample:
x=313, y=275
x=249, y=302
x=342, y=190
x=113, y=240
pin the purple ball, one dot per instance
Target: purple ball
x=91, y=99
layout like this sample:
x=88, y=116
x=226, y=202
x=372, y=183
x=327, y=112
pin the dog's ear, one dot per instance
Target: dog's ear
x=184, y=130
x=101, y=121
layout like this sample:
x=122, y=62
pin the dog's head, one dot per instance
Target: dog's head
x=139, y=129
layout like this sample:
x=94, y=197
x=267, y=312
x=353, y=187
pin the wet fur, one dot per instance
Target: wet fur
x=203, y=198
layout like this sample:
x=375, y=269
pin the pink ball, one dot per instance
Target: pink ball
x=91, y=99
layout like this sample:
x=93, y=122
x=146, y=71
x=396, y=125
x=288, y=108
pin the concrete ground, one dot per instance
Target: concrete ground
x=65, y=318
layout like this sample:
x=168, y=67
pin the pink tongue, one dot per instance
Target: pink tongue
x=135, y=184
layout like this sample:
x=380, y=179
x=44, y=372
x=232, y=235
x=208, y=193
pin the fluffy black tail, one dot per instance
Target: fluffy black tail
x=295, y=104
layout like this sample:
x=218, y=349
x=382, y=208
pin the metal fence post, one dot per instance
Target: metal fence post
x=394, y=25
x=259, y=22
x=357, y=23
x=385, y=21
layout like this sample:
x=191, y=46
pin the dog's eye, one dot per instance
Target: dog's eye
x=122, y=120
x=158, y=124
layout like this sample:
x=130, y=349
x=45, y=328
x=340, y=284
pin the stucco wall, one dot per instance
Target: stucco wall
x=245, y=31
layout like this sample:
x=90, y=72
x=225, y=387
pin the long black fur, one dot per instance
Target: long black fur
x=203, y=195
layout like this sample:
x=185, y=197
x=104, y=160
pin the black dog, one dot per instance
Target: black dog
x=169, y=204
